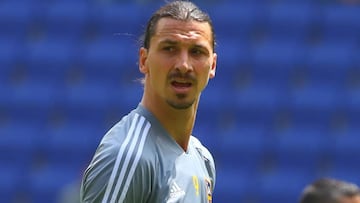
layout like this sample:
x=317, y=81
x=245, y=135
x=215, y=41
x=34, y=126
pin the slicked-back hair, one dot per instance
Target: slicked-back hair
x=327, y=190
x=178, y=10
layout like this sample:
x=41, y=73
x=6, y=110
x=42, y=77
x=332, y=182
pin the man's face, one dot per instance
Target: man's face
x=179, y=62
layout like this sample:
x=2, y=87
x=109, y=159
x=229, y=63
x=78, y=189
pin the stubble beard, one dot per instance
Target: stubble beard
x=180, y=105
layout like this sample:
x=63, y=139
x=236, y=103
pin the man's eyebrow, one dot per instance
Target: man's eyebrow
x=168, y=41
x=199, y=46
x=174, y=42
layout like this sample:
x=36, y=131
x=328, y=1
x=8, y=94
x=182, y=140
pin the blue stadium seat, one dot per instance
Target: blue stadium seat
x=120, y=20
x=44, y=184
x=344, y=150
x=12, y=179
x=313, y=118
x=282, y=186
x=315, y=96
x=216, y=93
x=243, y=146
x=208, y=133
x=50, y=59
x=90, y=95
x=259, y=97
x=331, y=61
x=5, y=101
x=233, y=57
x=11, y=53
x=93, y=100
x=351, y=92
x=72, y=144
x=16, y=19
x=19, y=143
x=234, y=184
x=213, y=97
x=112, y=59
x=97, y=102
x=343, y=154
x=275, y=61
x=285, y=54
x=340, y=23
x=38, y=95
x=237, y=19
x=66, y=20
x=351, y=101
x=128, y=97
x=301, y=148
x=289, y=20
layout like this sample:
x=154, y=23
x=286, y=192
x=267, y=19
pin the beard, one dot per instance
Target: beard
x=180, y=105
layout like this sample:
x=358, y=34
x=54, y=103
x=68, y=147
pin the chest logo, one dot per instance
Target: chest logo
x=176, y=193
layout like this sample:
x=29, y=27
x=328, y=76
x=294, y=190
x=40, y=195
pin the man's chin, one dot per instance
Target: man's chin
x=180, y=105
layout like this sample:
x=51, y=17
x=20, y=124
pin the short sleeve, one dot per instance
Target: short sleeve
x=108, y=177
x=97, y=175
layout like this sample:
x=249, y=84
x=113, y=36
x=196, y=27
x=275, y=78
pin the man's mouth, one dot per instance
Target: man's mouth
x=179, y=84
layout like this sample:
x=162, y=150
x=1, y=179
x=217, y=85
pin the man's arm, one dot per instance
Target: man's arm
x=117, y=172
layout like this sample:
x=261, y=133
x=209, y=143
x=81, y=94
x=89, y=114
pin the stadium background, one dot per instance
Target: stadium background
x=282, y=110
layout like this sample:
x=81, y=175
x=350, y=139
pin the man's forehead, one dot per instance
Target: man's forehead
x=168, y=27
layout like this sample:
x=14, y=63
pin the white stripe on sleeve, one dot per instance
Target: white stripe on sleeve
x=137, y=158
x=118, y=159
x=127, y=159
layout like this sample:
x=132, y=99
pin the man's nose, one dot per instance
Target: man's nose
x=183, y=63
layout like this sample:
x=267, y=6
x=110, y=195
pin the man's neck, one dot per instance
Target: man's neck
x=178, y=123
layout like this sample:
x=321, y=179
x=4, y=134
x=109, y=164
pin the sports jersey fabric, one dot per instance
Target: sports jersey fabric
x=137, y=161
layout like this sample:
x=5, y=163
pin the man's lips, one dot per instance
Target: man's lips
x=181, y=84
x=181, y=87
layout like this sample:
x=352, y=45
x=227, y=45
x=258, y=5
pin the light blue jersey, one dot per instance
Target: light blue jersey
x=137, y=161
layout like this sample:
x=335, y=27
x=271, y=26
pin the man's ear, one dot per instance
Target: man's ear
x=213, y=67
x=143, y=52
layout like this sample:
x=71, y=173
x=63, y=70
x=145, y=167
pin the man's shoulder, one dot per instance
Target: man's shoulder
x=132, y=128
x=121, y=150
x=204, y=152
x=206, y=157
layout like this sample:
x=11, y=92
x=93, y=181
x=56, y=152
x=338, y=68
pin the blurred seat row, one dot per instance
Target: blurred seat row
x=281, y=19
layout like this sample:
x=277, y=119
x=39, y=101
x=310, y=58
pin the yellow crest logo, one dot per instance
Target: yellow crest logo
x=208, y=190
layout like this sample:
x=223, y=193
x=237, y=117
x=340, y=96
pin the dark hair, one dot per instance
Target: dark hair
x=327, y=190
x=179, y=10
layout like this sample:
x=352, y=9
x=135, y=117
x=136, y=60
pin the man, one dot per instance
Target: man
x=150, y=155
x=331, y=191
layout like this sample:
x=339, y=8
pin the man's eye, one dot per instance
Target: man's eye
x=196, y=51
x=169, y=48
